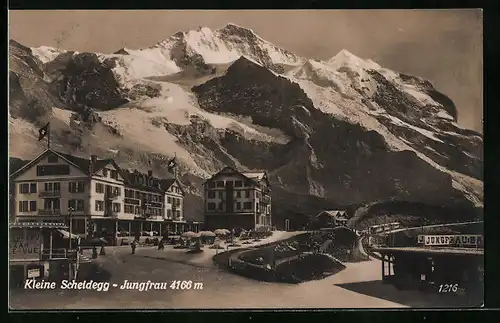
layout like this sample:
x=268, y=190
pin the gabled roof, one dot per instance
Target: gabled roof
x=251, y=176
x=255, y=175
x=78, y=162
x=333, y=213
x=138, y=180
x=84, y=164
x=167, y=182
x=130, y=177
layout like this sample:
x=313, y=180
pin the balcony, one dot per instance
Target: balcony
x=49, y=212
x=111, y=214
x=110, y=197
x=44, y=194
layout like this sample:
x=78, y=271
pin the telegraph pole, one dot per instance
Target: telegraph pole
x=70, y=213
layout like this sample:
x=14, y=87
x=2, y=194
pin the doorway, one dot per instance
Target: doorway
x=287, y=224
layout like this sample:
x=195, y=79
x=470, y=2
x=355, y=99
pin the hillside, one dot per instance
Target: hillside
x=333, y=133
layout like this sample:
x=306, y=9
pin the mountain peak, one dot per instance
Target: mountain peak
x=345, y=56
x=234, y=30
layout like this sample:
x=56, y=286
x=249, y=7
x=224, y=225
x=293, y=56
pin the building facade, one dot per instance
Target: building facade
x=97, y=195
x=234, y=199
x=331, y=218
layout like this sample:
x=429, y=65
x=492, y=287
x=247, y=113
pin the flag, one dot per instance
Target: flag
x=171, y=165
x=43, y=131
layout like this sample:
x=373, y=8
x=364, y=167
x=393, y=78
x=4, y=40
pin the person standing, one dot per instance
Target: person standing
x=133, y=245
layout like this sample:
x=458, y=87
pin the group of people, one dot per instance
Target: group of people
x=133, y=245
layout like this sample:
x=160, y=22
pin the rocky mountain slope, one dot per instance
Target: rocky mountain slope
x=333, y=133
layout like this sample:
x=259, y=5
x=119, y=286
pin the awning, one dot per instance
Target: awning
x=66, y=234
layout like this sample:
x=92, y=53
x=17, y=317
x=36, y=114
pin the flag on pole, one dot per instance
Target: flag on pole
x=43, y=131
x=172, y=163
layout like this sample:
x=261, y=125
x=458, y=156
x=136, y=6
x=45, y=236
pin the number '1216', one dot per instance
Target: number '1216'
x=448, y=288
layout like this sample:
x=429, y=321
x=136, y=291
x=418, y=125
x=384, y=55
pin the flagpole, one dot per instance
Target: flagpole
x=48, y=136
x=175, y=166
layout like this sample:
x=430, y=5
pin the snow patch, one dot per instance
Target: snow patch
x=421, y=97
x=184, y=108
x=424, y=132
x=444, y=115
x=63, y=115
x=129, y=68
x=46, y=54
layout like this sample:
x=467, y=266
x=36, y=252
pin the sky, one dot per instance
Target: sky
x=443, y=46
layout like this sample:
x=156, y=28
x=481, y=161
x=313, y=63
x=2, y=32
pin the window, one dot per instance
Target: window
x=211, y=206
x=220, y=184
x=27, y=188
x=178, y=214
x=238, y=205
x=129, y=209
x=211, y=184
x=247, y=193
x=23, y=206
x=169, y=200
x=258, y=195
x=105, y=173
x=247, y=205
x=77, y=187
x=76, y=205
x=52, y=158
x=53, y=187
x=220, y=206
x=248, y=183
x=257, y=207
x=99, y=206
x=238, y=183
x=117, y=191
x=116, y=207
x=114, y=174
x=238, y=193
x=24, y=188
x=51, y=204
x=169, y=213
x=221, y=195
x=48, y=170
x=211, y=194
x=27, y=206
x=99, y=188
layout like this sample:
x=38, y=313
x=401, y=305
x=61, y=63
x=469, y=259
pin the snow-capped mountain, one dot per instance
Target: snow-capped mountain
x=339, y=132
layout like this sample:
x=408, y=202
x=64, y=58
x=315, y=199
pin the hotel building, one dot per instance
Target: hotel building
x=234, y=199
x=97, y=195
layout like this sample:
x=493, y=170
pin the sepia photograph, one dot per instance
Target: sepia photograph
x=245, y=159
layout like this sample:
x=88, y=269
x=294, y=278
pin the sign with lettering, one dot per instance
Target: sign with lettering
x=25, y=244
x=32, y=273
x=469, y=240
x=420, y=239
